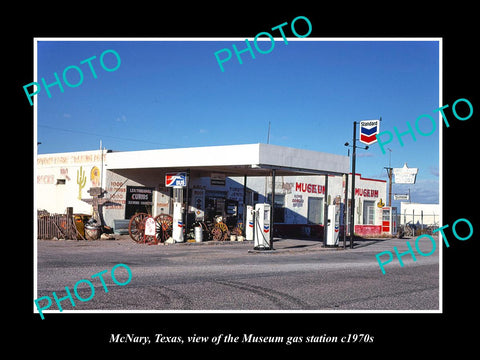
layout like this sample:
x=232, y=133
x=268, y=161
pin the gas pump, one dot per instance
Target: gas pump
x=389, y=220
x=262, y=227
x=177, y=232
x=333, y=225
x=249, y=220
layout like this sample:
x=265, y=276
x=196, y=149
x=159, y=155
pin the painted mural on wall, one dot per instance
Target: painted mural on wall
x=64, y=172
x=45, y=179
x=81, y=181
x=69, y=159
x=116, y=191
x=95, y=176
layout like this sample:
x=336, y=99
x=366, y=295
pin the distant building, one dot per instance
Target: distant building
x=418, y=214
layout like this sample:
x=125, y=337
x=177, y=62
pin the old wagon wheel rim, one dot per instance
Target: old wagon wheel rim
x=163, y=227
x=217, y=233
x=136, y=226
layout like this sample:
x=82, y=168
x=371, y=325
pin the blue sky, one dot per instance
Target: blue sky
x=173, y=94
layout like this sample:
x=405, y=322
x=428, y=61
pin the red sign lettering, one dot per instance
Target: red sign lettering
x=310, y=188
x=366, y=192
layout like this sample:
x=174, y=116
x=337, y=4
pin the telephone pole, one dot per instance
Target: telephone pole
x=389, y=173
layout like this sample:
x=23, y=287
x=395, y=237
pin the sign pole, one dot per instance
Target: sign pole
x=185, y=228
x=389, y=173
x=345, y=213
x=368, y=131
x=352, y=208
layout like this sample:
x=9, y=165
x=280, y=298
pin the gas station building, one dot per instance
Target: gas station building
x=300, y=185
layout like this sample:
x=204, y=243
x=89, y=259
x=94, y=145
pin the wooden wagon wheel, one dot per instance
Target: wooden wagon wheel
x=164, y=227
x=217, y=233
x=237, y=230
x=136, y=226
x=220, y=232
x=226, y=232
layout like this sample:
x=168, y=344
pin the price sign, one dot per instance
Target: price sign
x=149, y=226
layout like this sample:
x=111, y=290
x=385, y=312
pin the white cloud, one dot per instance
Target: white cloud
x=122, y=118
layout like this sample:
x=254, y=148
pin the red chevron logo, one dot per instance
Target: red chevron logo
x=368, y=139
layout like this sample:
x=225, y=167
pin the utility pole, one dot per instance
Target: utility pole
x=389, y=173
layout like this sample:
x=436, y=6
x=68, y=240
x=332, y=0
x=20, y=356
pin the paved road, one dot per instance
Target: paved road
x=298, y=275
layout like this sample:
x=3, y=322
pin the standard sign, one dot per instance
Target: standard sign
x=176, y=179
x=368, y=130
x=400, y=197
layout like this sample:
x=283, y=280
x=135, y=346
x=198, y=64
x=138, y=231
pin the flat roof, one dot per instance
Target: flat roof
x=232, y=160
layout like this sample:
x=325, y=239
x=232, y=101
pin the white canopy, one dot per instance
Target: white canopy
x=248, y=159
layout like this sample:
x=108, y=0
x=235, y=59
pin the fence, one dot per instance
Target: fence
x=417, y=223
x=419, y=219
x=60, y=226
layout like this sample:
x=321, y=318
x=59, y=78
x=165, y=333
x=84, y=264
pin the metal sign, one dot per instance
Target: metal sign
x=217, y=179
x=176, y=179
x=405, y=175
x=400, y=197
x=368, y=130
x=150, y=226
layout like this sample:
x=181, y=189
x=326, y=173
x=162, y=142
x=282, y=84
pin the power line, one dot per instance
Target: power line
x=107, y=136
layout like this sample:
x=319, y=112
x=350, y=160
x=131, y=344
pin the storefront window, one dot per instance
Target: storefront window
x=315, y=210
x=386, y=214
x=279, y=207
x=368, y=212
x=214, y=203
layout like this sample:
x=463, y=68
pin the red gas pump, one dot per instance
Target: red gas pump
x=389, y=223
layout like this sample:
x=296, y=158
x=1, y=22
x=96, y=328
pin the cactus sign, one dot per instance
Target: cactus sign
x=81, y=181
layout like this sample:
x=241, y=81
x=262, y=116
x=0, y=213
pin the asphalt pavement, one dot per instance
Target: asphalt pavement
x=298, y=275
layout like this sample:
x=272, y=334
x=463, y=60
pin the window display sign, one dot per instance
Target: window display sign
x=138, y=199
x=217, y=179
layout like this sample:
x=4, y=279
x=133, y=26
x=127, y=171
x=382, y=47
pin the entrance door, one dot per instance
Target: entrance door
x=368, y=212
x=315, y=210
